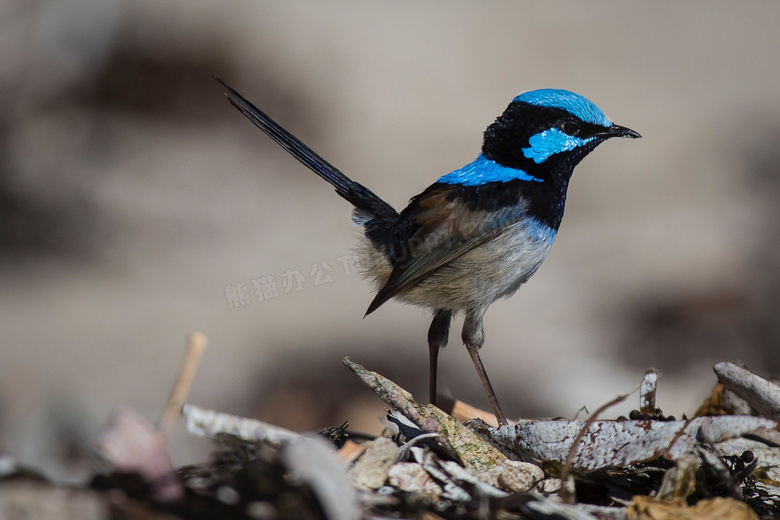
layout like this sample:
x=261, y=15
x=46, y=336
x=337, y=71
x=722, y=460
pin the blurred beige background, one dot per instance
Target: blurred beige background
x=134, y=200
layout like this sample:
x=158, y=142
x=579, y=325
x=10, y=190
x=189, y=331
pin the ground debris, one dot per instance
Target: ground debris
x=433, y=466
x=472, y=450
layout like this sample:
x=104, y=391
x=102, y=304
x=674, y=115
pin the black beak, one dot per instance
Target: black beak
x=619, y=131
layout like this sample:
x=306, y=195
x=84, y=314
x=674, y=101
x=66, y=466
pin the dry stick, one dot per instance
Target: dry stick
x=647, y=391
x=567, y=499
x=196, y=345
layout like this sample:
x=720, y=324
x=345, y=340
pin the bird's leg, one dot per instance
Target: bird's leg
x=474, y=353
x=474, y=337
x=437, y=338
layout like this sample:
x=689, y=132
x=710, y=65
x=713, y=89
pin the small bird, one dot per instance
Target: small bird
x=478, y=233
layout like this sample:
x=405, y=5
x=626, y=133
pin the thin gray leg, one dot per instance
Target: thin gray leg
x=474, y=337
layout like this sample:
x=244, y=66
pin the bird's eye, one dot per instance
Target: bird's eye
x=570, y=127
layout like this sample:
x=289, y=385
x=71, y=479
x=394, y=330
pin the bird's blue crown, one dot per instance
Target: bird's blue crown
x=577, y=105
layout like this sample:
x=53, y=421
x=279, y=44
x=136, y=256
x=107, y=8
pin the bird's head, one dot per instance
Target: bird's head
x=547, y=132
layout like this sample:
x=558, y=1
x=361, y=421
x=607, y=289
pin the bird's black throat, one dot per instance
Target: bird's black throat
x=543, y=201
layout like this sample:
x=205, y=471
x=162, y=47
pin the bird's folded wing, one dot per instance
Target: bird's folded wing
x=408, y=274
x=447, y=231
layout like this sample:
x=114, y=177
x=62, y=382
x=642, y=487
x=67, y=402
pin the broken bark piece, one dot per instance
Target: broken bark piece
x=567, y=485
x=469, y=447
x=210, y=423
x=619, y=443
x=762, y=395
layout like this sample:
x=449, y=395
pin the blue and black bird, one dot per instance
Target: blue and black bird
x=478, y=233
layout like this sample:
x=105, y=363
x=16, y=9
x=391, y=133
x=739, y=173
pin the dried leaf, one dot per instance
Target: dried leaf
x=351, y=451
x=679, y=481
x=370, y=471
x=646, y=508
x=723, y=401
x=131, y=444
x=412, y=478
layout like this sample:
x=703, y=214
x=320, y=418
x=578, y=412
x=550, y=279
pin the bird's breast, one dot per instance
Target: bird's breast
x=480, y=276
x=512, y=258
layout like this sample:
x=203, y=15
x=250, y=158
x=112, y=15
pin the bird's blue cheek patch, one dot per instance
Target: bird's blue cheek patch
x=549, y=142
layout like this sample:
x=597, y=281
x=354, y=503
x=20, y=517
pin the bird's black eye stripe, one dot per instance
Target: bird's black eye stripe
x=570, y=127
x=577, y=128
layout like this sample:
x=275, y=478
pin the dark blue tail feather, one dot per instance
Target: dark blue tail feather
x=355, y=193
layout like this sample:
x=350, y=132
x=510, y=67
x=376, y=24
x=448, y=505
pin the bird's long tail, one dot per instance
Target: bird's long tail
x=358, y=195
